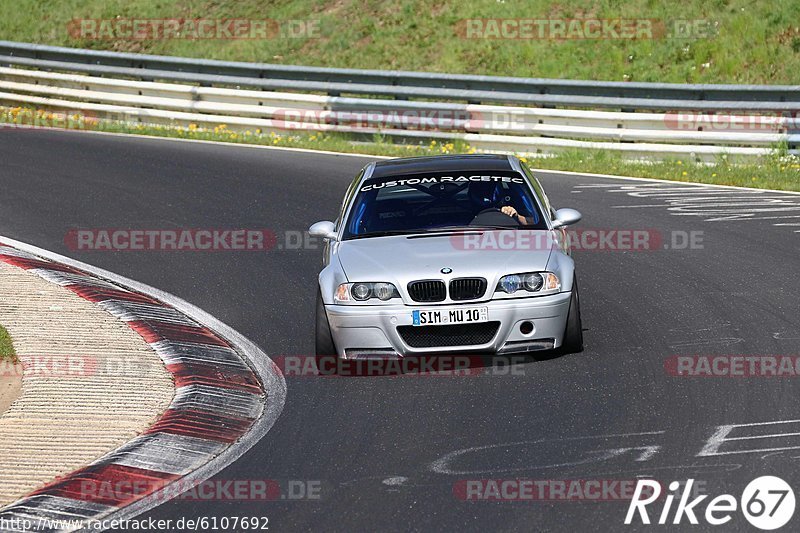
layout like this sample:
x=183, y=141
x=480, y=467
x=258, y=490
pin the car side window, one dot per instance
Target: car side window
x=537, y=187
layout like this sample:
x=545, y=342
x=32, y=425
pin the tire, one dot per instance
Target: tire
x=325, y=348
x=573, y=332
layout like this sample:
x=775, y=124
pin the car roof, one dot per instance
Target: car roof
x=441, y=163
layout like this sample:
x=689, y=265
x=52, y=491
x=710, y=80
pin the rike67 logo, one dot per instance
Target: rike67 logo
x=767, y=503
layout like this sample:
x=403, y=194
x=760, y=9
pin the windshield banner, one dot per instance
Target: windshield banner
x=404, y=182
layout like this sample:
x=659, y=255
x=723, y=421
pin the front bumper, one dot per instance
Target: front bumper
x=365, y=329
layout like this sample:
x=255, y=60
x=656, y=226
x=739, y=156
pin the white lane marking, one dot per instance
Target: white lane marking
x=782, y=217
x=394, y=481
x=271, y=378
x=782, y=336
x=443, y=464
x=643, y=182
x=647, y=452
x=711, y=448
x=770, y=454
x=724, y=341
x=720, y=437
x=693, y=193
x=758, y=450
x=773, y=422
x=770, y=436
x=711, y=204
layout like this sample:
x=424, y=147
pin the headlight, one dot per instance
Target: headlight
x=509, y=284
x=532, y=282
x=529, y=284
x=362, y=292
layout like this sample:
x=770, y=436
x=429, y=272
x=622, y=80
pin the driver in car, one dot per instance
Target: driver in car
x=487, y=195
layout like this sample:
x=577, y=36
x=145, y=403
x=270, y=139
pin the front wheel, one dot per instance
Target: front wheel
x=573, y=332
x=325, y=348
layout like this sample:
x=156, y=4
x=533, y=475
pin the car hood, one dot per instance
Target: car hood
x=488, y=254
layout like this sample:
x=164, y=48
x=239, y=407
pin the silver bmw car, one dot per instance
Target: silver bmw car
x=447, y=254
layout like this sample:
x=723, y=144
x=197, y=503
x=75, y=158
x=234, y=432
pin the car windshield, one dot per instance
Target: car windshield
x=397, y=205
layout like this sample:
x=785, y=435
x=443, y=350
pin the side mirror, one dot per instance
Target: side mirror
x=324, y=229
x=566, y=217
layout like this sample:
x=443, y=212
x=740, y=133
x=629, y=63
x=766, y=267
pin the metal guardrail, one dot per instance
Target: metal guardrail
x=123, y=86
x=403, y=84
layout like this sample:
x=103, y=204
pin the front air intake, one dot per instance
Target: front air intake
x=448, y=335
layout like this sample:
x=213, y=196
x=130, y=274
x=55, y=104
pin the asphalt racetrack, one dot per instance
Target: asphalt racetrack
x=393, y=453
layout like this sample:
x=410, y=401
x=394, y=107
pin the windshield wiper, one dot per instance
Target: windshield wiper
x=431, y=231
x=485, y=226
x=476, y=227
x=386, y=233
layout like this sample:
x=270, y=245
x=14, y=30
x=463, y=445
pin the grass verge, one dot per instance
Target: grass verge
x=6, y=348
x=777, y=170
x=696, y=41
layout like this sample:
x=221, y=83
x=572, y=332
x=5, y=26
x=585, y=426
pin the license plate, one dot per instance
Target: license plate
x=450, y=316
